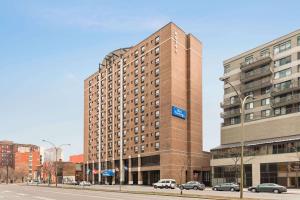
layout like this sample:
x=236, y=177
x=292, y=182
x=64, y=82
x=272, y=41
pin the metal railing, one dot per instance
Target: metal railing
x=257, y=61
x=256, y=85
x=257, y=73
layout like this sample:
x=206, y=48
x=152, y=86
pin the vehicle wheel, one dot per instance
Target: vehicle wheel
x=195, y=188
x=181, y=187
x=253, y=190
x=215, y=189
x=232, y=189
x=276, y=191
x=155, y=186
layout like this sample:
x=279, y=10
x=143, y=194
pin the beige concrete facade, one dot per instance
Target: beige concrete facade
x=160, y=72
x=271, y=73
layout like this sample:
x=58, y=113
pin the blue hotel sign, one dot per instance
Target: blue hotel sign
x=178, y=112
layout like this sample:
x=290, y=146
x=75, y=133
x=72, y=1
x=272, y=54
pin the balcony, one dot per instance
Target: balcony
x=255, y=74
x=227, y=103
x=231, y=113
x=257, y=62
x=255, y=85
x=286, y=100
x=283, y=90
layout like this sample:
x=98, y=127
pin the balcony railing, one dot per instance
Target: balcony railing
x=256, y=62
x=231, y=113
x=286, y=89
x=227, y=103
x=255, y=74
x=258, y=115
x=256, y=85
x=292, y=99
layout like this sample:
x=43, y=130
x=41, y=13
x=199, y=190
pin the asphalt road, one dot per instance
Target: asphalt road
x=15, y=192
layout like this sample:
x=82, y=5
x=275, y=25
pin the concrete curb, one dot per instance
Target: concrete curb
x=149, y=193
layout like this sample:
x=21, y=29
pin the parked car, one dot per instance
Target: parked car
x=165, y=183
x=227, y=187
x=85, y=183
x=195, y=185
x=268, y=187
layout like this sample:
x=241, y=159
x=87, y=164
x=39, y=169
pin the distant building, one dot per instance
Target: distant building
x=78, y=161
x=23, y=159
x=76, y=158
x=49, y=155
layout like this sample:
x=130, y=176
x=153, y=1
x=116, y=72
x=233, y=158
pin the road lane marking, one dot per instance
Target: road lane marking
x=43, y=198
x=21, y=194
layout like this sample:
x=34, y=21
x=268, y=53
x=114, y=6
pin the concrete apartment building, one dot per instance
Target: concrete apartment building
x=144, y=107
x=271, y=73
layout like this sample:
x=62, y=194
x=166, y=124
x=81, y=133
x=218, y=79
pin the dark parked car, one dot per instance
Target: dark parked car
x=195, y=185
x=226, y=187
x=268, y=187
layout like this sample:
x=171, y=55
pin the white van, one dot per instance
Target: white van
x=165, y=183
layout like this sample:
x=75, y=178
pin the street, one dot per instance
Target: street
x=12, y=192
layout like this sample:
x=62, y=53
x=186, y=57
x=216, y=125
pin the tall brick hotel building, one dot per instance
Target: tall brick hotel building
x=143, y=106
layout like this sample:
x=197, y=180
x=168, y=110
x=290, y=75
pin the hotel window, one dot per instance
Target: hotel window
x=124, y=61
x=157, y=103
x=156, y=50
x=157, y=114
x=142, y=59
x=265, y=113
x=157, y=124
x=298, y=40
x=136, y=53
x=282, y=47
x=143, y=69
x=136, y=139
x=282, y=61
x=142, y=108
x=136, y=120
x=156, y=93
x=143, y=99
x=142, y=148
x=136, y=72
x=143, y=79
x=157, y=72
x=136, y=129
x=136, y=63
x=249, y=105
x=143, y=128
x=157, y=61
x=156, y=135
x=280, y=111
x=233, y=100
x=136, y=149
x=136, y=91
x=136, y=81
x=157, y=40
x=249, y=59
x=283, y=73
x=265, y=101
x=157, y=82
x=136, y=101
x=156, y=146
x=143, y=118
x=142, y=49
x=142, y=89
x=136, y=110
x=142, y=138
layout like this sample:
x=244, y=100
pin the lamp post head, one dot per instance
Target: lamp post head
x=224, y=78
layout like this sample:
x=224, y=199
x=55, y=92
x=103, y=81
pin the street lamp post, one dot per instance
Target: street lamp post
x=243, y=102
x=56, y=150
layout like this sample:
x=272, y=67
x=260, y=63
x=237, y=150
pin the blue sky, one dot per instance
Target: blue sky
x=47, y=49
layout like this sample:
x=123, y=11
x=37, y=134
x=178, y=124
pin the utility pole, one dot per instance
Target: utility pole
x=7, y=172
